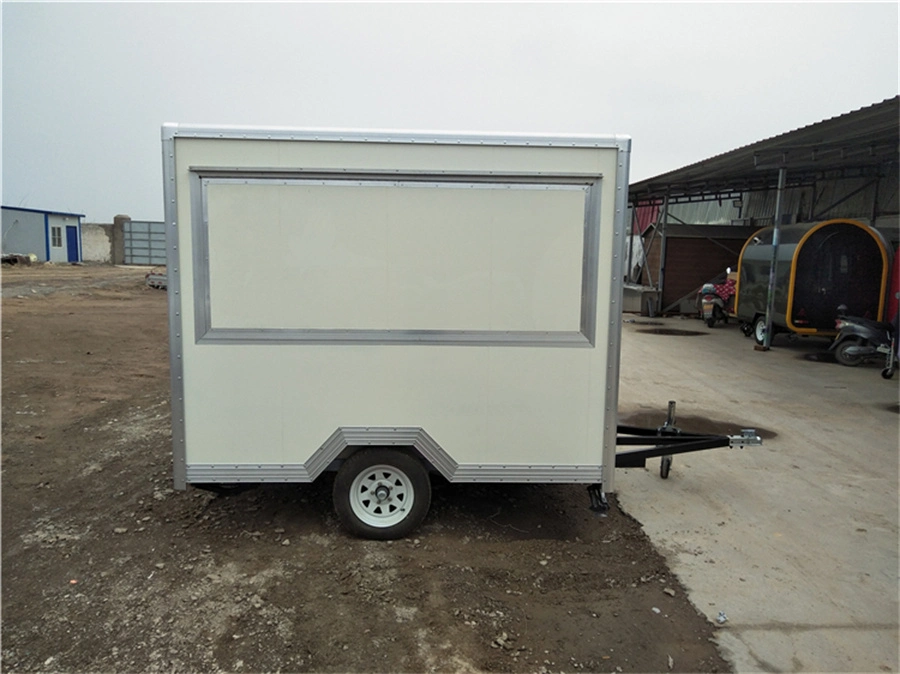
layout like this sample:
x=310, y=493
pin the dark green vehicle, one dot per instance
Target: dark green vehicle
x=820, y=266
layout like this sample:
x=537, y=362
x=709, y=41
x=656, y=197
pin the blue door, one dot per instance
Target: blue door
x=72, y=243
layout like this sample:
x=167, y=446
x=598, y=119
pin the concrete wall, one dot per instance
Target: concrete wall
x=104, y=242
x=96, y=242
x=117, y=238
x=24, y=233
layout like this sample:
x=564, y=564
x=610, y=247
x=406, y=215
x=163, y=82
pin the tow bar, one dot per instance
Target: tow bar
x=665, y=441
x=668, y=440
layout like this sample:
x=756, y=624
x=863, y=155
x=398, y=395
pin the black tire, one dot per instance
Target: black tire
x=711, y=322
x=841, y=355
x=888, y=372
x=665, y=465
x=759, y=330
x=747, y=329
x=398, y=510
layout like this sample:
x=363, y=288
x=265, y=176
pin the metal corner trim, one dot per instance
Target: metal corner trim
x=462, y=474
x=613, y=355
x=392, y=136
x=526, y=473
x=176, y=327
x=397, y=436
x=168, y=131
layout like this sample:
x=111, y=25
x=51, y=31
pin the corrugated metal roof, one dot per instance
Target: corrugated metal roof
x=859, y=143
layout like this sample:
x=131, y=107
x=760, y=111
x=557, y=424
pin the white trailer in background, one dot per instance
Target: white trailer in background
x=393, y=305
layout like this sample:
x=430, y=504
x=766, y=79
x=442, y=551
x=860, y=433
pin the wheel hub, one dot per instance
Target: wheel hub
x=382, y=492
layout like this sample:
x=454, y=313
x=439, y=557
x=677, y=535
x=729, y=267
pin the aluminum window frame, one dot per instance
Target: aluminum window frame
x=201, y=178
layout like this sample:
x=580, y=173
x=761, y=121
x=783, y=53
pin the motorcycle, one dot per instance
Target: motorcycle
x=712, y=306
x=861, y=339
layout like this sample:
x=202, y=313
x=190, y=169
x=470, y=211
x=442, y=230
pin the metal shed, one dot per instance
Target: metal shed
x=52, y=236
x=843, y=167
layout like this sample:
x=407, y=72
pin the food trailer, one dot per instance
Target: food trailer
x=820, y=266
x=393, y=306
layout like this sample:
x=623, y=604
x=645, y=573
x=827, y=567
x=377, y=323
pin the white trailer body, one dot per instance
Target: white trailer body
x=456, y=297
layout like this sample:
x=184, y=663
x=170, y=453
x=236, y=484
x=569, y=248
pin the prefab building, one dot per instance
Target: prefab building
x=51, y=236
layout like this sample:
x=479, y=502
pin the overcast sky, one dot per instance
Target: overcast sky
x=86, y=87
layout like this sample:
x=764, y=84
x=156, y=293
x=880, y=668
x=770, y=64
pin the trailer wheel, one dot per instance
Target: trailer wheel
x=381, y=494
x=841, y=355
x=664, y=466
x=759, y=330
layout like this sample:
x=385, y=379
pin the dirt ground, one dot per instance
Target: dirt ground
x=107, y=568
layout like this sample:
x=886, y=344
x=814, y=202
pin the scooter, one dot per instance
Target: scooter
x=712, y=307
x=861, y=339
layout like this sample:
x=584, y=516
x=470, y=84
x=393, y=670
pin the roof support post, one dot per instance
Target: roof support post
x=812, y=200
x=629, y=276
x=663, y=218
x=645, y=250
x=875, y=199
x=776, y=231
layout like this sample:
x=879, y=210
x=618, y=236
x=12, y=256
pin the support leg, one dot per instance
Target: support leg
x=599, y=504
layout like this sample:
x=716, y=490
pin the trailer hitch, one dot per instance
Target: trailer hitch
x=747, y=438
x=668, y=440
